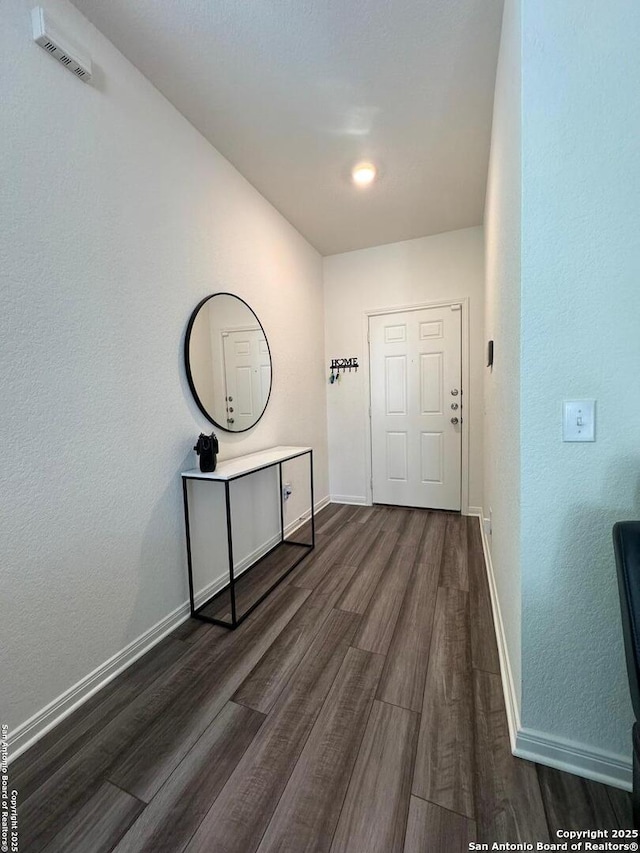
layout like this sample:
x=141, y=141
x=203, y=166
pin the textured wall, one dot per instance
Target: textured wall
x=117, y=218
x=447, y=266
x=580, y=313
x=502, y=318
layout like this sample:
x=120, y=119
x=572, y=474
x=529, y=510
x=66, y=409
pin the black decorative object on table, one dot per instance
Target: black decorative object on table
x=207, y=450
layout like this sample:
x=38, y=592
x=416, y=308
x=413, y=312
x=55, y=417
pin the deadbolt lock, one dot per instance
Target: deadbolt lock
x=454, y=421
x=454, y=392
x=454, y=406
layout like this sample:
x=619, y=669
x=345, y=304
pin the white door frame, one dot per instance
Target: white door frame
x=466, y=396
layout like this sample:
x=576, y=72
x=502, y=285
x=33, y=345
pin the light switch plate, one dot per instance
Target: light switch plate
x=579, y=420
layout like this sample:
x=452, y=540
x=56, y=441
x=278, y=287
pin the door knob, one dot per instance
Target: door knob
x=230, y=421
x=454, y=392
x=454, y=406
x=454, y=421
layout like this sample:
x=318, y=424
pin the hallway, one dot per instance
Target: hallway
x=358, y=709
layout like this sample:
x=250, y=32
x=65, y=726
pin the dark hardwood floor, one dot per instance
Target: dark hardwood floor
x=359, y=709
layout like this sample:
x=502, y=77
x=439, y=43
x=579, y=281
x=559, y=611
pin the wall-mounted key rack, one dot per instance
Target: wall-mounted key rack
x=339, y=365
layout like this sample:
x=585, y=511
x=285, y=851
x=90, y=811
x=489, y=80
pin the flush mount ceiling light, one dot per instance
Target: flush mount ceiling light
x=363, y=174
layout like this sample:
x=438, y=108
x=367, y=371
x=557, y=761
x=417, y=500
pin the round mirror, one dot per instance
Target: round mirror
x=228, y=362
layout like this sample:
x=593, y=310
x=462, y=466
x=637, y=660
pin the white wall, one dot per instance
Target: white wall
x=502, y=318
x=580, y=338
x=117, y=218
x=446, y=266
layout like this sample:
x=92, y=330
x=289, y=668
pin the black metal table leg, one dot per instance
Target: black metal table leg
x=232, y=579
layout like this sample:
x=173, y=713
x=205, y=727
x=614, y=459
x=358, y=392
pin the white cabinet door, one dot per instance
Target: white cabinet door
x=416, y=407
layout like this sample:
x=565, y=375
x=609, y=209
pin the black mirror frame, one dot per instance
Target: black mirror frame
x=187, y=362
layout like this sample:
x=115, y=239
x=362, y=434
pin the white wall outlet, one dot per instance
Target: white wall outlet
x=579, y=420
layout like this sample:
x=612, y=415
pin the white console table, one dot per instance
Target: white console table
x=226, y=472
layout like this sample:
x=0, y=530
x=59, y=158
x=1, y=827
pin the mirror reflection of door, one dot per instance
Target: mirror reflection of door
x=247, y=375
x=228, y=362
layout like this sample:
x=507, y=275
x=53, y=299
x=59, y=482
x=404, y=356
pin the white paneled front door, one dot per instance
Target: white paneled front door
x=416, y=407
x=247, y=370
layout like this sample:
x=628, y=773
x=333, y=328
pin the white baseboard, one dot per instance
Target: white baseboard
x=29, y=732
x=508, y=685
x=298, y=522
x=474, y=510
x=220, y=582
x=356, y=500
x=542, y=747
x=601, y=766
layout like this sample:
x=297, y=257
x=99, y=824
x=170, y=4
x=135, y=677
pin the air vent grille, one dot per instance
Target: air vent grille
x=46, y=34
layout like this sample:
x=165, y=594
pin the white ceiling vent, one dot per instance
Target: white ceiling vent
x=47, y=35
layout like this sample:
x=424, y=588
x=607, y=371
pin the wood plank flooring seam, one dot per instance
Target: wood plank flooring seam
x=196, y=828
x=482, y=669
x=445, y=765
x=346, y=790
x=105, y=818
x=335, y=563
x=296, y=667
x=193, y=746
x=432, y=828
x=332, y=762
x=545, y=809
x=621, y=803
x=386, y=701
x=302, y=750
x=67, y=729
x=218, y=828
x=148, y=686
x=474, y=731
x=124, y=791
x=115, y=745
x=408, y=654
x=444, y=808
x=206, y=772
x=411, y=771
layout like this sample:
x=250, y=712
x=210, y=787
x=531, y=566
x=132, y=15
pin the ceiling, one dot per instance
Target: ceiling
x=295, y=92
